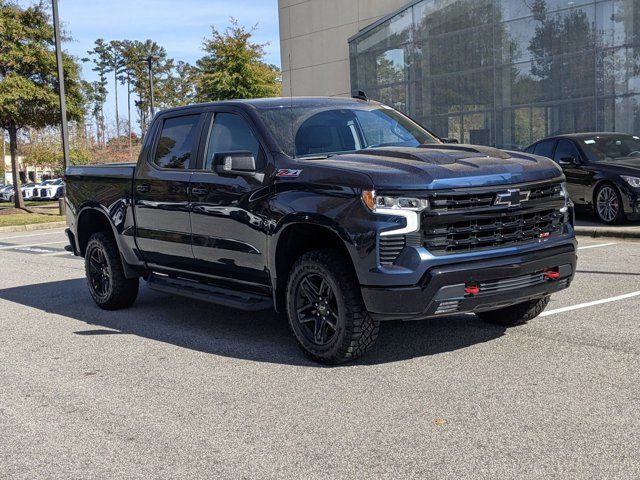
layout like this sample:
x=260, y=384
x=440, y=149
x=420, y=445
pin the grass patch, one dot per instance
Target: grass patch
x=27, y=219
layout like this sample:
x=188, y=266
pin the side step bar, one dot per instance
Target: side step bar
x=209, y=293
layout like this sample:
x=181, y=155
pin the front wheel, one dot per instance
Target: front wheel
x=609, y=205
x=515, y=314
x=109, y=287
x=325, y=309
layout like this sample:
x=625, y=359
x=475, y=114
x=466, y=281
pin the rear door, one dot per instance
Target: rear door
x=229, y=231
x=161, y=192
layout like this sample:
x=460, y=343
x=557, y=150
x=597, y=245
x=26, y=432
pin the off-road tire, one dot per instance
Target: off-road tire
x=515, y=314
x=356, y=331
x=121, y=291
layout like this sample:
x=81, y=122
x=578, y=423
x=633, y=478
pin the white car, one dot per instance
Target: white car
x=27, y=190
x=49, y=190
x=6, y=193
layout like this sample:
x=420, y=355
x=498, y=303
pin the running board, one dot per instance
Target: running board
x=209, y=293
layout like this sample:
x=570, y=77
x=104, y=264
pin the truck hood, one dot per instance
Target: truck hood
x=444, y=166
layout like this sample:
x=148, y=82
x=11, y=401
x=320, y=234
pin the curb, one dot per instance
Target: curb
x=611, y=232
x=33, y=226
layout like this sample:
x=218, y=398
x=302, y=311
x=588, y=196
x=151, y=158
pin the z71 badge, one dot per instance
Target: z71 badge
x=288, y=173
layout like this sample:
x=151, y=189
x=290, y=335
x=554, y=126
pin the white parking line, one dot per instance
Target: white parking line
x=53, y=254
x=52, y=232
x=598, y=245
x=11, y=247
x=590, y=304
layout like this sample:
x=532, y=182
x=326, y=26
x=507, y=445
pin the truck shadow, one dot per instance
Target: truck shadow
x=261, y=336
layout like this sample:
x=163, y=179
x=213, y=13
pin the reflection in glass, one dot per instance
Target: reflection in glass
x=506, y=72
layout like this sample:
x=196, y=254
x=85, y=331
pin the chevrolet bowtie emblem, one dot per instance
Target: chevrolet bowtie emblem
x=512, y=197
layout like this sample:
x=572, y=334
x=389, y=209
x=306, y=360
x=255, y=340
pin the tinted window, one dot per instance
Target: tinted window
x=232, y=133
x=611, y=147
x=545, y=148
x=176, y=142
x=565, y=149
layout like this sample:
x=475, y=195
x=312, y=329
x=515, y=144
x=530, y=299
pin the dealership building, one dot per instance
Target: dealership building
x=493, y=72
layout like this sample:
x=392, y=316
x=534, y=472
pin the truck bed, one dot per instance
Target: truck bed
x=107, y=187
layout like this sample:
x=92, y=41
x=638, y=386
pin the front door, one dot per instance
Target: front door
x=229, y=232
x=161, y=193
x=577, y=176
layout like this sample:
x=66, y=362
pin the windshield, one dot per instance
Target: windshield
x=312, y=131
x=605, y=148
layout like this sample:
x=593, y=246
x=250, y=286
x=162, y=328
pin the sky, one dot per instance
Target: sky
x=178, y=25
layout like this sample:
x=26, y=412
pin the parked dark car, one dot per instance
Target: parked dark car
x=341, y=213
x=602, y=170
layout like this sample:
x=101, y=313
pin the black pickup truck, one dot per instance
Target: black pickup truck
x=340, y=212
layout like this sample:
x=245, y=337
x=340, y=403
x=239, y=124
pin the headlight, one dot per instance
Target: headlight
x=407, y=207
x=382, y=203
x=633, y=181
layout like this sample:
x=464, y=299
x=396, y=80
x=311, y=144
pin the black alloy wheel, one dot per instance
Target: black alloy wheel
x=316, y=309
x=99, y=273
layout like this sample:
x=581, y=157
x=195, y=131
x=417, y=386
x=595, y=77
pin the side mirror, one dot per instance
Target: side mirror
x=572, y=160
x=235, y=163
x=449, y=140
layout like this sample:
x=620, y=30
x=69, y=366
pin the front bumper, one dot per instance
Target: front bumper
x=502, y=281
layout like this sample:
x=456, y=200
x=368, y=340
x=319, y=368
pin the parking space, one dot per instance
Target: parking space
x=177, y=388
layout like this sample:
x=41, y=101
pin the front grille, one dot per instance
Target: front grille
x=466, y=220
x=442, y=202
x=442, y=237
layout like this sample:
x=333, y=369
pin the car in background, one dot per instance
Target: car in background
x=602, y=171
x=6, y=193
x=27, y=190
x=49, y=190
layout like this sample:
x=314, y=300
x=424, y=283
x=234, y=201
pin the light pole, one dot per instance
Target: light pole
x=63, y=101
x=149, y=60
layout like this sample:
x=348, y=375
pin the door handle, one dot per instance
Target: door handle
x=199, y=191
x=143, y=188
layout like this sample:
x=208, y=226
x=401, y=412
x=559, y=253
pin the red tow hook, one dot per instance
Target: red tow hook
x=472, y=289
x=551, y=274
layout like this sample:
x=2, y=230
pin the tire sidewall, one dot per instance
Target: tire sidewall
x=300, y=270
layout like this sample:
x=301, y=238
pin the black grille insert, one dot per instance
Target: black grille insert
x=442, y=237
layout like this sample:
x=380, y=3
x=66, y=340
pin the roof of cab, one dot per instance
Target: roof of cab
x=277, y=102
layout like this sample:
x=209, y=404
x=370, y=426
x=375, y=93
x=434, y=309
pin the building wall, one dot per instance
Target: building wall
x=314, y=33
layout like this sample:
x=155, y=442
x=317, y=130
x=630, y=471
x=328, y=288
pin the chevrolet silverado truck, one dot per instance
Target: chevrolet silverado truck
x=340, y=213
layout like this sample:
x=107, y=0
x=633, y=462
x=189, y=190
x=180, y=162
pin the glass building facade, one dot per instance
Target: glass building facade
x=506, y=72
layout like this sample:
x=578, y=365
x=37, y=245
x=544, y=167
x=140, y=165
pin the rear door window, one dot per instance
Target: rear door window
x=545, y=148
x=176, y=145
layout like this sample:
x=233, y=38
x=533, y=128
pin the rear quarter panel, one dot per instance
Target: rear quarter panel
x=105, y=189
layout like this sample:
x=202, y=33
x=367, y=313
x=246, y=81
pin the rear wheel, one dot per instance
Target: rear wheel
x=515, y=314
x=109, y=287
x=609, y=204
x=325, y=309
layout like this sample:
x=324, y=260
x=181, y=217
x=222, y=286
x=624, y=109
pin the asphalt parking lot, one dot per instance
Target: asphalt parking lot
x=173, y=388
